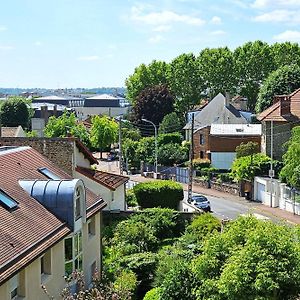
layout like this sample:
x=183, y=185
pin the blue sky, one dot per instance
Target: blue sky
x=95, y=43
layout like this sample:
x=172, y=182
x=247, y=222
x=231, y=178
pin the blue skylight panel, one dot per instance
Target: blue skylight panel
x=7, y=202
x=48, y=173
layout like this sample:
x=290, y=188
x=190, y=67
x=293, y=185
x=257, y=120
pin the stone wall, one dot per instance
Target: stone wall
x=59, y=150
x=225, y=187
x=202, y=183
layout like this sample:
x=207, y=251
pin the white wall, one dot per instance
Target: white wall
x=222, y=160
x=115, y=199
x=84, y=112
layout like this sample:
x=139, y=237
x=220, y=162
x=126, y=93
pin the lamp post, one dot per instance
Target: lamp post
x=155, y=132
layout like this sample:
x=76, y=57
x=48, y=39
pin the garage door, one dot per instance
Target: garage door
x=260, y=192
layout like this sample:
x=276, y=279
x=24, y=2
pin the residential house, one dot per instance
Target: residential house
x=279, y=118
x=49, y=226
x=71, y=155
x=218, y=128
x=110, y=186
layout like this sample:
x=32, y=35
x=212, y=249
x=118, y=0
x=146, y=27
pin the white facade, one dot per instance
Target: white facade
x=222, y=160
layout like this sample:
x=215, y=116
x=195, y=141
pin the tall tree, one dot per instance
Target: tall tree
x=185, y=82
x=153, y=104
x=145, y=76
x=66, y=125
x=284, y=80
x=15, y=112
x=216, y=68
x=104, y=132
x=253, y=63
x=285, y=54
x=170, y=123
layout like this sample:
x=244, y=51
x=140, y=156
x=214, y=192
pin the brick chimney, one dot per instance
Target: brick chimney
x=227, y=98
x=285, y=106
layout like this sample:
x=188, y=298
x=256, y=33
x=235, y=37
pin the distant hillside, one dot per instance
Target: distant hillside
x=102, y=90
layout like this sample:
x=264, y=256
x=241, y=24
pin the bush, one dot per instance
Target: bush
x=125, y=284
x=201, y=163
x=159, y=193
x=167, y=138
x=153, y=294
x=224, y=177
x=165, y=222
x=130, y=198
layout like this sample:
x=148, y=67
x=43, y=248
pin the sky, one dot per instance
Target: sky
x=98, y=43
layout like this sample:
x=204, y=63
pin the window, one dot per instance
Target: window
x=73, y=253
x=17, y=285
x=78, y=204
x=91, y=226
x=45, y=265
x=7, y=202
x=201, y=139
x=48, y=173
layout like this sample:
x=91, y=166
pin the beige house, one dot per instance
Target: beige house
x=110, y=186
x=49, y=226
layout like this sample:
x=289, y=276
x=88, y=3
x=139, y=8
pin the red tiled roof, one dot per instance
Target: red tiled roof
x=110, y=180
x=26, y=231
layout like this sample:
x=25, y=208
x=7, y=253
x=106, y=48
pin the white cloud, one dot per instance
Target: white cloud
x=165, y=17
x=156, y=39
x=216, y=20
x=289, y=35
x=6, y=47
x=162, y=28
x=3, y=28
x=89, y=58
x=218, y=32
x=261, y=4
x=279, y=16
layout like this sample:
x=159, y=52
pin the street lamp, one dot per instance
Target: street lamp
x=155, y=132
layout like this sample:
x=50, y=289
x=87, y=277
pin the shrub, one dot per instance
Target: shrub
x=153, y=294
x=167, y=138
x=201, y=163
x=125, y=284
x=165, y=222
x=159, y=193
x=224, y=177
x=130, y=198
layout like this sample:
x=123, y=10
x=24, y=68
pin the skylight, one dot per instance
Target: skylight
x=48, y=173
x=7, y=202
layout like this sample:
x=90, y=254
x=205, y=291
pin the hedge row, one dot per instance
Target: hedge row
x=159, y=193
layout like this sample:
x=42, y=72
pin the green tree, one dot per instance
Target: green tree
x=245, y=149
x=130, y=153
x=247, y=167
x=285, y=54
x=285, y=80
x=185, y=82
x=170, y=123
x=145, y=150
x=291, y=160
x=153, y=104
x=253, y=63
x=66, y=125
x=146, y=76
x=15, y=112
x=216, y=68
x=104, y=132
x=170, y=154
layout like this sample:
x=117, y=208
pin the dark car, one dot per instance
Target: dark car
x=201, y=202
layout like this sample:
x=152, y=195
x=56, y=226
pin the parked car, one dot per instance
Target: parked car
x=201, y=202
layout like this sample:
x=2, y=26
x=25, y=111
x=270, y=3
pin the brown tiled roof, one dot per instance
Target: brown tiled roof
x=30, y=229
x=9, y=131
x=109, y=180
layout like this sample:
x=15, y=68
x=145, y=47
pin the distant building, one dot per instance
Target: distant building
x=12, y=132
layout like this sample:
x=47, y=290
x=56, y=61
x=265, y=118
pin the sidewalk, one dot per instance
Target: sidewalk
x=258, y=207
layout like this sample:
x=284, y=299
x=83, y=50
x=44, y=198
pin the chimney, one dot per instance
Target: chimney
x=285, y=106
x=227, y=98
x=55, y=110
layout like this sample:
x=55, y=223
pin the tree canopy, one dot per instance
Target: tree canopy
x=15, y=112
x=153, y=104
x=104, y=132
x=170, y=123
x=283, y=81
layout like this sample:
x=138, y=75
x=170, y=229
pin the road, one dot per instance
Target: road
x=226, y=209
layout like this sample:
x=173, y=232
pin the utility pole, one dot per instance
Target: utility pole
x=120, y=146
x=271, y=171
x=190, y=185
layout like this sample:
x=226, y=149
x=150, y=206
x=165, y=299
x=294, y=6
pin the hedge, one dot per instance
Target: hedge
x=159, y=193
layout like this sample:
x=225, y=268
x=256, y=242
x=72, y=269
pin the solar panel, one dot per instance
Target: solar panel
x=48, y=173
x=7, y=201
